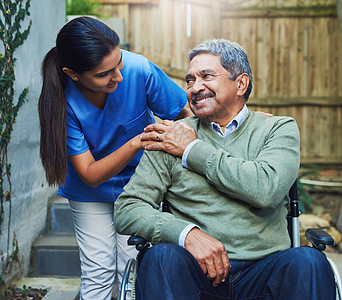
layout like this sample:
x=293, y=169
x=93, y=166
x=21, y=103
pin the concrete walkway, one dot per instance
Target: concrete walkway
x=58, y=288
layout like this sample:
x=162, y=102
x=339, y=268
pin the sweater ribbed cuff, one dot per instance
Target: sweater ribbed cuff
x=172, y=229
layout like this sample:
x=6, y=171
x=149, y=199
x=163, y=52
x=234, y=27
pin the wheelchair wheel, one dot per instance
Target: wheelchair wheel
x=128, y=288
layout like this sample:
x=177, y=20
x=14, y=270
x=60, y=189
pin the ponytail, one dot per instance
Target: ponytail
x=81, y=45
x=52, y=117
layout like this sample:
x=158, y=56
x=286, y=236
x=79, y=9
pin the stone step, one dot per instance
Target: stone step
x=55, y=254
x=60, y=218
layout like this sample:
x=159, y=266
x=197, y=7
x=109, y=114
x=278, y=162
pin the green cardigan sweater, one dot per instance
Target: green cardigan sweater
x=235, y=188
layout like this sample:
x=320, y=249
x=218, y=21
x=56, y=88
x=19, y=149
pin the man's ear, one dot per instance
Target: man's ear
x=73, y=75
x=242, y=82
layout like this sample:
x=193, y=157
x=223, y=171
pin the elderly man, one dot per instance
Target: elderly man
x=226, y=173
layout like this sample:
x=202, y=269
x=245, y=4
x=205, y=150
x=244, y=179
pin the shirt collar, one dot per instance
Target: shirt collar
x=233, y=125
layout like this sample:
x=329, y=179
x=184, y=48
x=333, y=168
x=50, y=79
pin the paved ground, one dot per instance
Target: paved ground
x=59, y=288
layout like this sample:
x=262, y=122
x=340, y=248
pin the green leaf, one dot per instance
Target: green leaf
x=12, y=13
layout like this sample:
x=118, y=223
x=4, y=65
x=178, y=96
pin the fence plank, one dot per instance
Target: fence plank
x=294, y=48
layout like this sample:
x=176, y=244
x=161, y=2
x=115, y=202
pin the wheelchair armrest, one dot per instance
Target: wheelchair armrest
x=137, y=241
x=319, y=238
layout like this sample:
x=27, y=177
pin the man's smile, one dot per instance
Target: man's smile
x=197, y=99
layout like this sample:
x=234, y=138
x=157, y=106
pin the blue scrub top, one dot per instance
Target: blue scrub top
x=145, y=89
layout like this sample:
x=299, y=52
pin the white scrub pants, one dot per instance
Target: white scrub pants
x=103, y=252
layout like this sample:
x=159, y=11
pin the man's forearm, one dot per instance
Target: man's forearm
x=260, y=181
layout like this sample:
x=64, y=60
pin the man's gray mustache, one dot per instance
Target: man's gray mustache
x=196, y=97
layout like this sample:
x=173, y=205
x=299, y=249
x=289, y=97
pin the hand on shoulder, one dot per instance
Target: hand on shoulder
x=168, y=136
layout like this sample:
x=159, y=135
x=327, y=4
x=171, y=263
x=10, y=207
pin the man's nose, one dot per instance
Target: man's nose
x=197, y=86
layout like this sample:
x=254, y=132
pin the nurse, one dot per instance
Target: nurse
x=95, y=102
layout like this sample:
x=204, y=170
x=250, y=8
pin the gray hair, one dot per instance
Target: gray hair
x=233, y=58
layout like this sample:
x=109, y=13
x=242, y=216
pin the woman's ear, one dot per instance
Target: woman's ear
x=242, y=84
x=73, y=75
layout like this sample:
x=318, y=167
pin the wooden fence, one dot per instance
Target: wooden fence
x=294, y=47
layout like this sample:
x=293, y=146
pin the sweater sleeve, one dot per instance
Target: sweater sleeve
x=261, y=181
x=137, y=210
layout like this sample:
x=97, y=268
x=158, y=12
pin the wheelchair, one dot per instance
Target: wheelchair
x=318, y=237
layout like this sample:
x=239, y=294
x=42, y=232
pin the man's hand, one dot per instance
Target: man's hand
x=170, y=137
x=209, y=253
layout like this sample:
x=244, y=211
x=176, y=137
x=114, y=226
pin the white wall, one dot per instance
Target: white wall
x=30, y=191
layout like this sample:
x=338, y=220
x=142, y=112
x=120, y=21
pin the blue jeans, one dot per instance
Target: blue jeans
x=168, y=272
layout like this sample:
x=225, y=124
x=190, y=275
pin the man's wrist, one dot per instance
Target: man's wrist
x=185, y=232
x=186, y=152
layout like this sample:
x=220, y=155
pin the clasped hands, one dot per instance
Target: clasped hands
x=169, y=136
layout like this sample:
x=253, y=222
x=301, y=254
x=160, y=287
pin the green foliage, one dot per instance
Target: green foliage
x=82, y=7
x=2, y=288
x=24, y=290
x=12, y=14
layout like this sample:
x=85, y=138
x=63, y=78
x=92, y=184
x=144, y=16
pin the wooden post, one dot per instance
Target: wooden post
x=217, y=18
x=339, y=14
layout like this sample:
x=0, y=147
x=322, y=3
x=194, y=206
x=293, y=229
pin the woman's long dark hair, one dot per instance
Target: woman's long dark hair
x=81, y=46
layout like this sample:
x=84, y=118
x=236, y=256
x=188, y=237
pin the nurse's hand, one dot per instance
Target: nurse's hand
x=169, y=137
x=138, y=144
